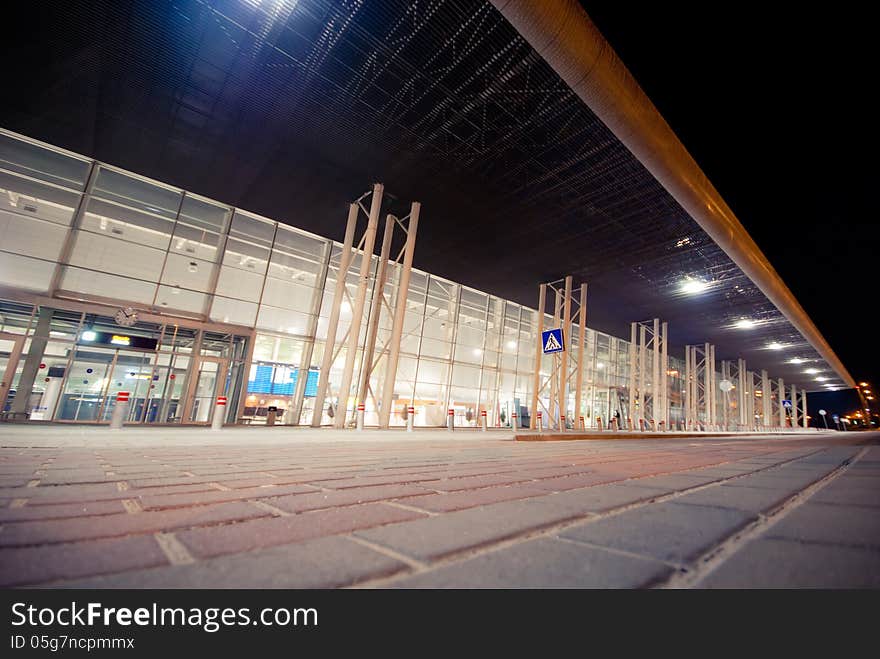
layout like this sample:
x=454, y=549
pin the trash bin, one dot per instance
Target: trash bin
x=271, y=416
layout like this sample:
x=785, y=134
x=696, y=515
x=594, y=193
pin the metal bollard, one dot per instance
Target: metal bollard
x=450, y=420
x=539, y=425
x=360, y=416
x=629, y=423
x=562, y=427
x=410, y=413
x=599, y=423
x=514, y=424
x=484, y=420
x=614, y=424
x=120, y=411
x=583, y=425
x=653, y=426
x=219, y=413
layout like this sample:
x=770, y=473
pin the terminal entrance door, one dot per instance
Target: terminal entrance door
x=10, y=352
x=211, y=380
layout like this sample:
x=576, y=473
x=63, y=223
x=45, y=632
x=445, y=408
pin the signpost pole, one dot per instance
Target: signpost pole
x=539, y=330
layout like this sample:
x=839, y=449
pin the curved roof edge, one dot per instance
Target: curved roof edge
x=561, y=32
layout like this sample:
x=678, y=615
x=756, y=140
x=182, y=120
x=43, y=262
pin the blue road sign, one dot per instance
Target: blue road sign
x=552, y=341
x=786, y=403
x=836, y=418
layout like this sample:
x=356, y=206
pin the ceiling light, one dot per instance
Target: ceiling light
x=477, y=352
x=89, y=335
x=745, y=323
x=511, y=345
x=775, y=346
x=811, y=371
x=821, y=379
x=796, y=360
x=693, y=286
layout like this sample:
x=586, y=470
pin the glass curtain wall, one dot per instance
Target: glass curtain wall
x=73, y=228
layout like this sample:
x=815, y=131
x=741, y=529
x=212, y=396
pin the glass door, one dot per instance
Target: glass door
x=211, y=381
x=10, y=353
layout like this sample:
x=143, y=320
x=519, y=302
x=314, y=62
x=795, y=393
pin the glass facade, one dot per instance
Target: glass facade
x=238, y=305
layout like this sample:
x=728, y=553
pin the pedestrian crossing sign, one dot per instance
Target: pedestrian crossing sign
x=552, y=341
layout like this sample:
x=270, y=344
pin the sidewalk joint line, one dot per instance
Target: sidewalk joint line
x=704, y=565
x=175, y=551
x=269, y=508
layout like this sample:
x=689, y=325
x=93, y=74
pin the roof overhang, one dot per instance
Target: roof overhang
x=564, y=36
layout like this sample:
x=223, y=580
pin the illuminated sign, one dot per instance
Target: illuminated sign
x=110, y=339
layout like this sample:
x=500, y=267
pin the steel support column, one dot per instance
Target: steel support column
x=765, y=399
x=664, y=375
x=367, y=360
x=804, y=420
x=780, y=394
x=579, y=378
x=566, y=351
x=357, y=311
x=539, y=352
x=399, y=316
x=632, y=374
x=333, y=321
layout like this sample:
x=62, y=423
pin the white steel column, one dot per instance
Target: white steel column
x=564, y=355
x=333, y=321
x=741, y=393
x=642, y=359
x=656, y=396
x=765, y=398
x=794, y=407
x=708, y=384
x=687, y=388
x=632, y=376
x=664, y=375
x=725, y=375
x=554, y=381
x=539, y=352
x=804, y=421
x=780, y=393
x=367, y=362
x=357, y=311
x=579, y=378
x=399, y=315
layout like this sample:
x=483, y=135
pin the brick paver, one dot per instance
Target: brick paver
x=298, y=508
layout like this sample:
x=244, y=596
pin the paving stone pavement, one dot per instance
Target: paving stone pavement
x=300, y=508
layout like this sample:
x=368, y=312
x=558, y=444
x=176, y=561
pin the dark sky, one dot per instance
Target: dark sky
x=772, y=100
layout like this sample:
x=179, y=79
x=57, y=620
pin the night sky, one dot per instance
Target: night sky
x=773, y=103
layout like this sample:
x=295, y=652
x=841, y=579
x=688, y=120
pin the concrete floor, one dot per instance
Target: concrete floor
x=83, y=506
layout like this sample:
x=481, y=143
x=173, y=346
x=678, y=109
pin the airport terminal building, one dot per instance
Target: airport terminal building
x=113, y=282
